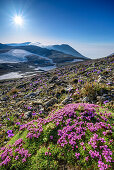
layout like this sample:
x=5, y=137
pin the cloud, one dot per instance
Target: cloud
x=95, y=50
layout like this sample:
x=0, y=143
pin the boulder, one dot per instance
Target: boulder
x=67, y=100
x=101, y=79
x=85, y=99
x=50, y=102
x=75, y=81
x=53, y=79
x=69, y=88
x=58, y=95
x=37, y=102
x=27, y=115
x=30, y=95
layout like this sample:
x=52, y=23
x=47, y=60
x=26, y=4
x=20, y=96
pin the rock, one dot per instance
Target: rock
x=85, y=99
x=107, y=97
x=62, y=91
x=103, y=91
x=37, y=102
x=103, y=98
x=27, y=115
x=69, y=89
x=19, y=103
x=58, y=95
x=112, y=93
x=61, y=82
x=67, y=100
x=37, y=92
x=1, y=135
x=21, y=86
x=75, y=81
x=5, y=142
x=16, y=115
x=101, y=79
x=5, y=98
x=53, y=79
x=51, y=87
x=50, y=102
x=30, y=95
x=41, y=109
x=4, y=116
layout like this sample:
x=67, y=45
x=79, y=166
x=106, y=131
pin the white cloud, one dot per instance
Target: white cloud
x=94, y=50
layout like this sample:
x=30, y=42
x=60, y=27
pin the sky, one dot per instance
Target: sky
x=86, y=25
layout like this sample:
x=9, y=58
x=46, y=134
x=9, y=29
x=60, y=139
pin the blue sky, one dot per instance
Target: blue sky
x=86, y=25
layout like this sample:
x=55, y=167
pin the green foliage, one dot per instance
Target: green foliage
x=47, y=154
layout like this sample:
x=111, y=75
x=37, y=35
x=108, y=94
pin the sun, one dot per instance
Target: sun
x=18, y=20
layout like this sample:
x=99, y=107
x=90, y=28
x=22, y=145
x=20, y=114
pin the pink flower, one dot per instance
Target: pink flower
x=77, y=155
x=87, y=158
x=49, y=153
x=51, y=137
x=16, y=157
x=46, y=153
x=23, y=160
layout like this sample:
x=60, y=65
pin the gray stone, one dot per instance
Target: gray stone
x=85, y=99
x=67, y=100
x=37, y=102
x=103, y=98
x=75, y=81
x=69, y=89
x=101, y=79
x=27, y=115
x=4, y=116
x=58, y=95
x=53, y=79
x=50, y=102
x=30, y=95
x=5, y=98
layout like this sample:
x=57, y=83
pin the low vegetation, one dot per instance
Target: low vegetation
x=61, y=119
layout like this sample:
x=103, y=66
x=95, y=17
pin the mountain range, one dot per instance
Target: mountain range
x=28, y=56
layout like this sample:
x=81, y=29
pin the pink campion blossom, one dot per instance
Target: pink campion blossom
x=17, y=123
x=23, y=160
x=49, y=153
x=51, y=137
x=87, y=158
x=17, y=157
x=77, y=155
x=46, y=153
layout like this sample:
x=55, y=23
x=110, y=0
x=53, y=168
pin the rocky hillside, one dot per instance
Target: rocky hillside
x=59, y=119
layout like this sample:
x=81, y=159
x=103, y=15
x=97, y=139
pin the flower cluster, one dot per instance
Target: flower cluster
x=34, y=131
x=79, y=128
x=15, y=151
x=10, y=133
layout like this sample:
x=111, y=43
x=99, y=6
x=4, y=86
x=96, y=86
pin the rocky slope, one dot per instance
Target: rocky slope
x=37, y=97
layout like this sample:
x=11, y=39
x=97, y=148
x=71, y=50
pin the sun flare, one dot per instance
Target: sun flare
x=18, y=20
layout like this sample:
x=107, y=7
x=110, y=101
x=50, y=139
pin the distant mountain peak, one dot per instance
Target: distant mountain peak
x=67, y=49
x=19, y=44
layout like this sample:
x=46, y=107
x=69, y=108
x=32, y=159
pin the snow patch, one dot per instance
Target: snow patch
x=14, y=56
x=11, y=75
x=45, y=68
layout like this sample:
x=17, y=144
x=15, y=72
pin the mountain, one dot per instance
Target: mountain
x=3, y=46
x=111, y=55
x=21, y=56
x=65, y=48
x=19, y=44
